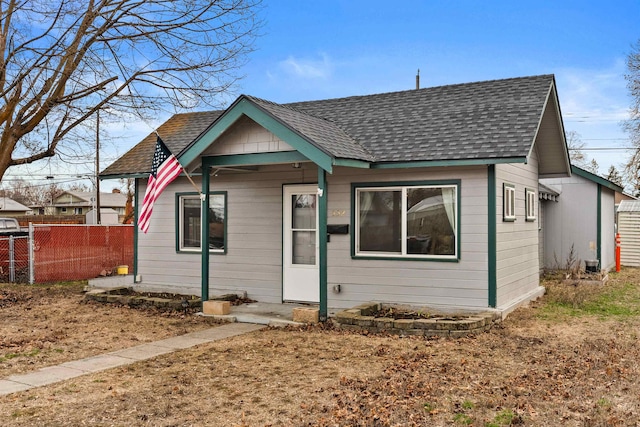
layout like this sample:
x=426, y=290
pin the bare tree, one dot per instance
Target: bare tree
x=592, y=167
x=62, y=61
x=31, y=194
x=576, y=147
x=633, y=84
x=632, y=125
x=614, y=176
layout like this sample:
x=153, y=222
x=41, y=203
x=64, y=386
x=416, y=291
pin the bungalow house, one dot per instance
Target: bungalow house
x=422, y=197
x=10, y=207
x=81, y=202
x=579, y=224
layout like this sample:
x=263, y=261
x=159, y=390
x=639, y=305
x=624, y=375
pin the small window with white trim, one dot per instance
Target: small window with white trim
x=530, y=199
x=509, y=202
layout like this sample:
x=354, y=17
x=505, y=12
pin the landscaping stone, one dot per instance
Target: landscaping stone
x=218, y=308
x=362, y=317
x=126, y=296
x=306, y=315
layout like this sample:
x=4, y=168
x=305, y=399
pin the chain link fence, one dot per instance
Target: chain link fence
x=65, y=252
x=14, y=259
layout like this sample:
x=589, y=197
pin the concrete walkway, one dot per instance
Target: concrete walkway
x=127, y=356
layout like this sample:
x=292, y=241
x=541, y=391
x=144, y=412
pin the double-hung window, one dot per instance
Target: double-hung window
x=530, y=200
x=407, y=221
x=509, y=202
x=189, y=219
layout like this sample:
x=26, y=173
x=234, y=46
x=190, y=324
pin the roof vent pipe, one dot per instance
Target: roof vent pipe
x=418, y=79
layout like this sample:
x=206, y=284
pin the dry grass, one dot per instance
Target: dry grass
x=545, y=365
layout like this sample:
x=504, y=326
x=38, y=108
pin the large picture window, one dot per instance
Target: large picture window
x=418, y=221
x=189, y=219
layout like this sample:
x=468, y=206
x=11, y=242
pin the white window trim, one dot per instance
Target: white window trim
x=530, y=203
x=508, y=202
x=403, y=223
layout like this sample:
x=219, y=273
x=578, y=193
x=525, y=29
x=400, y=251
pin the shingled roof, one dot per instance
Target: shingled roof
x=485, y=120
x=177, y=133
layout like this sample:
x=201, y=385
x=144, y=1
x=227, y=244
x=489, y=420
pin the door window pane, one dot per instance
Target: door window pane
x=303, y=250
x=304, y=211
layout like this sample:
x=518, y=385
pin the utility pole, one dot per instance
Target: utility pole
x=98, y=219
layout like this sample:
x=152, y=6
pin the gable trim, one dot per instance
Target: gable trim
x=552, y=96
x=595, y=178
x=245, y=107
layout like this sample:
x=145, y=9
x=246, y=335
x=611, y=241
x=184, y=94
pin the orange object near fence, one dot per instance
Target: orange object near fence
x=77, y=252
x=617, y=252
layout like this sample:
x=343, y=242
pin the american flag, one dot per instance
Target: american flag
x=164, y=169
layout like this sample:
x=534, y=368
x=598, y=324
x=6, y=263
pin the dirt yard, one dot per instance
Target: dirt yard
x=569, y=360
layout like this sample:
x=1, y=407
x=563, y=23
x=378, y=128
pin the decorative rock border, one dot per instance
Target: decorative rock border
x=361, y=318
x=114, y=296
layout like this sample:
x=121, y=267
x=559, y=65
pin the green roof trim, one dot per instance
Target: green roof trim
x=595, y=178
x=254, y=159
x=439, y=163
x=350, y=163
x=245, y=107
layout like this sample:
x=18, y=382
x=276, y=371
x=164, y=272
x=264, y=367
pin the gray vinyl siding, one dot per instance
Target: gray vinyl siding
x=253, y=262
x=573, y=222
x=247, y=137
x=517, y=267
x=461, y=284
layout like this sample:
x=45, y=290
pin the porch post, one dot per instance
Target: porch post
x=204, y=227
x=322, y=230
x=599, y=227
x=492, y=236
x=136, y=191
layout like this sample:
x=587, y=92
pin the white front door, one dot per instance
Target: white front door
x=301, y=280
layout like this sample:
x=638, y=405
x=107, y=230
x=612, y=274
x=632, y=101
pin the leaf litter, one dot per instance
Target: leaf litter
x=529, y=370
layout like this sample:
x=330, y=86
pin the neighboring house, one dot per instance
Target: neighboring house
x=9, y=207
x=629, y=228
x=81, y=202
x=621, y=195
x=579, y=223
x=422, y=197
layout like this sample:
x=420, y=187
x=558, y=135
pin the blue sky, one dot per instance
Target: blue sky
x=316, y=50
x=335, y=48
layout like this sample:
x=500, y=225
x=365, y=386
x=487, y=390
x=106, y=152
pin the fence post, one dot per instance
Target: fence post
x=32, y=274
x=12, y=260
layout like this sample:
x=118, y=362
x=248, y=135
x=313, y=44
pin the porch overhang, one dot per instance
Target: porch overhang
x=244, y=107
